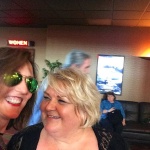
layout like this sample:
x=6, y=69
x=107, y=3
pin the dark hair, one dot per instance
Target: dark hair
x=105, y=96
x=10, y=60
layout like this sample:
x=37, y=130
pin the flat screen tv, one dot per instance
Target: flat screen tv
x=109, y=74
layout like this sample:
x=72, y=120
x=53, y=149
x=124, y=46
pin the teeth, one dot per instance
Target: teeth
x=13, y=100
x=55, y=117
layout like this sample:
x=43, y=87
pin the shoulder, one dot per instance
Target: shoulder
x=24, y=136
x=117, y=102
x=107, y=140
x=30, y=130
x=104, y=101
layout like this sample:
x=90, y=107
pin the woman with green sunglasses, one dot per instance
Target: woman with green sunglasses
x=18, y=86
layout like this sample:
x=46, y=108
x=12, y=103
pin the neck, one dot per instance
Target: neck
x=3, y=125
x=69, y=138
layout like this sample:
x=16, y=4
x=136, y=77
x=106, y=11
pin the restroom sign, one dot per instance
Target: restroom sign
x=20, y=43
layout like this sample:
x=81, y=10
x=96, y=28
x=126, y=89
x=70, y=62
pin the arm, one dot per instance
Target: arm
x=123, y=122
x=105, y=107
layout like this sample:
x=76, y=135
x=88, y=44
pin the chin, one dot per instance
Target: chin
x=13, y=116
x=50, y=128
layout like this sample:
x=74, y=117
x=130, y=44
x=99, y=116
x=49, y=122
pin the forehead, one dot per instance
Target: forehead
x=26, y=69
x=55, y=92
x=87, y=61
x=110, y=95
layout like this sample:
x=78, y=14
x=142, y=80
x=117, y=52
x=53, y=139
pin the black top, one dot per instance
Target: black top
x=28, y=138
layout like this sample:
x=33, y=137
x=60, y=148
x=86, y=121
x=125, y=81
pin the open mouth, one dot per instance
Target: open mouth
x=13, y=100
x=54, y=117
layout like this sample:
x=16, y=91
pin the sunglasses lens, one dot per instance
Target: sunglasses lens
x=12, y=79
x=32, y=84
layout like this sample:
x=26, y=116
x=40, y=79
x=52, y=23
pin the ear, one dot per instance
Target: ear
x=74, y=66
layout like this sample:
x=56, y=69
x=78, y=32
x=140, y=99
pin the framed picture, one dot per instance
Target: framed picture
x=109, y=75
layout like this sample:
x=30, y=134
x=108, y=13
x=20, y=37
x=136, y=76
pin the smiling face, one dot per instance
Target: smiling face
x=13, y=99
x=58, y=113
x=110, y=98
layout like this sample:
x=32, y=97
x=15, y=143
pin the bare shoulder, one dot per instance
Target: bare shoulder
x=90, y=141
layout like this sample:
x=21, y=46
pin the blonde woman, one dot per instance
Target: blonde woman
x=70, y=111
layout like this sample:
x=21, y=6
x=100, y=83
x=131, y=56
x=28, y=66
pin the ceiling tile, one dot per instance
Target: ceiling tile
x=3, y=14
x=144, y=23
x=146, y=16
x=70, y=14
x=137, y=5
x=41, y=13
x=18, y=13
x=99, y=21
x=127, y=14
x=96, y=4
x=75, y=21
x=130, y=23
x=8, y=4
x=18, y=22
x=98, y=14
x=32, y=4
x=44, y=14
x=62, y=4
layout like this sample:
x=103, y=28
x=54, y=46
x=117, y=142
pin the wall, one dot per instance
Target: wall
x=56, y=41
x=33, y=34
x=107, y=40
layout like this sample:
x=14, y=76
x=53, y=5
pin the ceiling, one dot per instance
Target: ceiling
x=41, y=13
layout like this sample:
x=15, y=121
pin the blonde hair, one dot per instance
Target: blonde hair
x=80, y=90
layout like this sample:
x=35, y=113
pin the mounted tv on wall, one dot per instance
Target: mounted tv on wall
x=109, y=76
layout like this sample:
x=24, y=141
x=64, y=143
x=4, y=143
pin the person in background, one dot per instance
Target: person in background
x=70, y=112
x=108, y=107
x=74, y=59
x=78, y=59
x=18, y=86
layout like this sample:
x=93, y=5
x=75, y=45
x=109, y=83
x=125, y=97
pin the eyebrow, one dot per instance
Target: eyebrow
x=46, y=93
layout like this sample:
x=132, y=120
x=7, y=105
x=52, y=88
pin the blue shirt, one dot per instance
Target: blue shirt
x=105, y=104
x=36, y=114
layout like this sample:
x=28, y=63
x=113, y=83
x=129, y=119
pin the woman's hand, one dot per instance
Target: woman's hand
x=111, y=109
x=123, y=122
x=105, y=111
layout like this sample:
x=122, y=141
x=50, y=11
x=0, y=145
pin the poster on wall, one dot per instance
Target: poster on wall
x=109, y=74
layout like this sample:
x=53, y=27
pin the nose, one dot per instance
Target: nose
x=51, y=105
x=22, y=87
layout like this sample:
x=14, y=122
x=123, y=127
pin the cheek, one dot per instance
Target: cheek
x=71, y=113
x=43, y=105
x=29, y=96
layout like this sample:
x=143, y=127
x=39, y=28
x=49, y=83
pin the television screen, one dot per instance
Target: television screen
x=109, y=75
